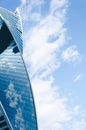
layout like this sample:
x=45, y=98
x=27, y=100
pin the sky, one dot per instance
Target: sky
x=54, y=53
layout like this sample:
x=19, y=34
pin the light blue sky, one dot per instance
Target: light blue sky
x=62, y=69
x=9, y=4
x=75, y=24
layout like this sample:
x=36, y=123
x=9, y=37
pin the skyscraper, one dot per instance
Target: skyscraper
x=17, y=108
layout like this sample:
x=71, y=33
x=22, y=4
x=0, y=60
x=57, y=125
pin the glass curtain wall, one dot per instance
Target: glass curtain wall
x=15, y=90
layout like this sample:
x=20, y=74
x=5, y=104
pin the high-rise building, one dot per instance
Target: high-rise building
x=17, y=108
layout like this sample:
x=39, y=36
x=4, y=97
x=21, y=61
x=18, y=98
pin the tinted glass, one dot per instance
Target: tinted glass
x=15, y=90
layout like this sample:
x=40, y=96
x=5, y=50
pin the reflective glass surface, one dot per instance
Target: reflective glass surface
x=15, y=89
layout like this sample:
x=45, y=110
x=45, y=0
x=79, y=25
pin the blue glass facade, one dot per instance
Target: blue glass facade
x=15, y=89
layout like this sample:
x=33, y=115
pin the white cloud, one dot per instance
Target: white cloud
x=30, y=9
x=79, y=124
x=40, y=52
x=52, y=110
x=41, y=57
x=23, y=1
x=76, y=109
x=71, y=54
x=77, y=78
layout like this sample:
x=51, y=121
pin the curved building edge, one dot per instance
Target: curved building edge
x=20, y=47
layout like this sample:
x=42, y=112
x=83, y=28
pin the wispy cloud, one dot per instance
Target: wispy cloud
x=23, y=1
x=79, y=124
x=40, y=50
x=42, y=56
x=52, y=109
x=30, y=9
x=77, y=78
x=71, y=54
x=44, y=36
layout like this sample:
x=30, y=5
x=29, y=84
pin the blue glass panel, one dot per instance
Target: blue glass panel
x=15, y=89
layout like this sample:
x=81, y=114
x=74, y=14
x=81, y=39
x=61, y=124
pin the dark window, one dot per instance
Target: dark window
x=1, y=118
x=3, y=124
x=6, y=128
